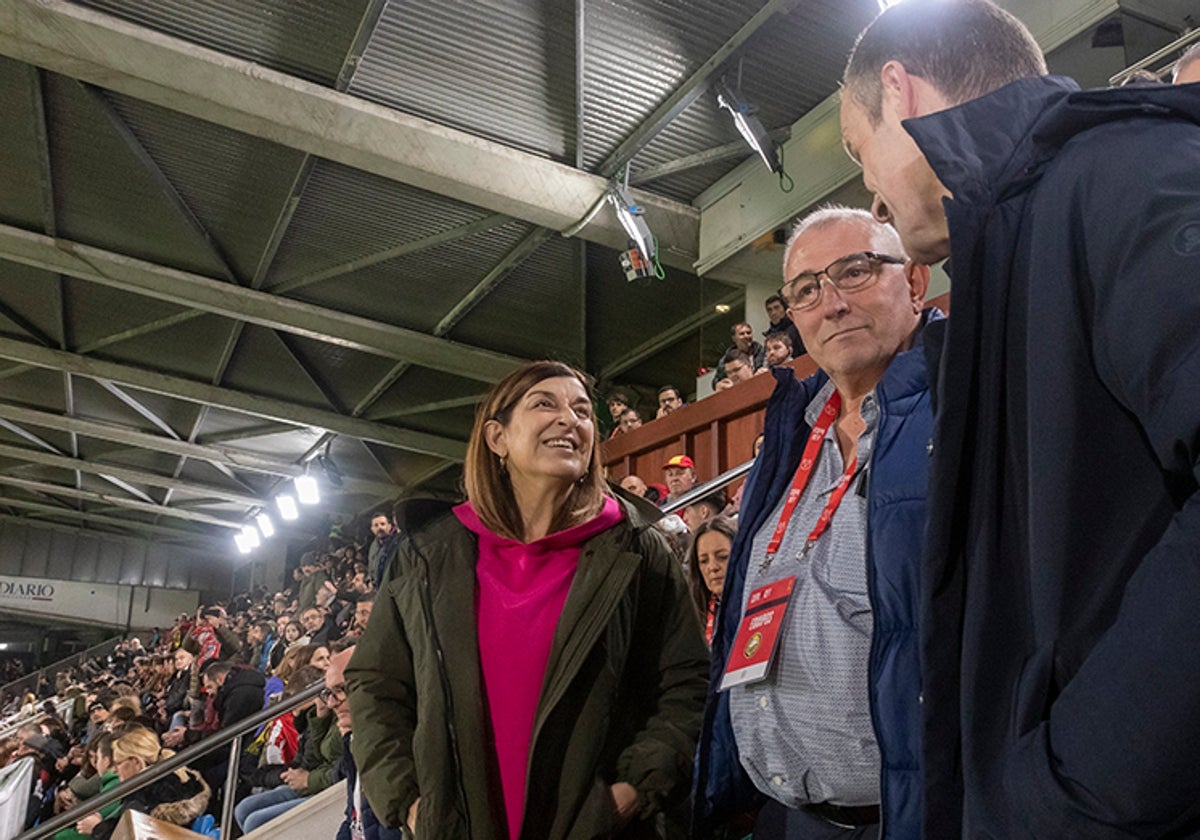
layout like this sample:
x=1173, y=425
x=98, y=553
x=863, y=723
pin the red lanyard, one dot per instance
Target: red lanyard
x=804, y=472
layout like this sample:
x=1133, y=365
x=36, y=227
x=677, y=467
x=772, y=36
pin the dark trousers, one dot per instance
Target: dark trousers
x=777, y=822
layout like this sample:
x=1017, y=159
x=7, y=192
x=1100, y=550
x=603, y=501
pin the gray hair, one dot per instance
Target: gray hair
x=884, y=238
x=1191, y=54
x=964, y=48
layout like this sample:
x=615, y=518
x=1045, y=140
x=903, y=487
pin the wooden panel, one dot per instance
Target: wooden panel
x=718, y=432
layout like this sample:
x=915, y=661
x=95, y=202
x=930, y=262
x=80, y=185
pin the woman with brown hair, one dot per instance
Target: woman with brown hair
x=708, y=559
x=541, y=634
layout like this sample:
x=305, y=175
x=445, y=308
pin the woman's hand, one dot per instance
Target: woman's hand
x=625, y=798
x=85, y=825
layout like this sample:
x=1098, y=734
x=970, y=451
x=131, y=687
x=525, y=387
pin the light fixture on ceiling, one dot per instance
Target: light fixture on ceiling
x=306, y=489
x=286, y=503
x=751, y=128
x=250, y=533
x=884, y=5
x=640, y=261
x=265, y=525
x=722, y=308
x=243, y=544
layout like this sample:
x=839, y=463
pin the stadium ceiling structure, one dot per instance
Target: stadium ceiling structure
x=236, y=235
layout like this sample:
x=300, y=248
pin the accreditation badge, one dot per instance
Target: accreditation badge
x=757, y=638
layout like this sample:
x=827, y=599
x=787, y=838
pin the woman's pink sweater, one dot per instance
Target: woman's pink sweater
x=519, y=597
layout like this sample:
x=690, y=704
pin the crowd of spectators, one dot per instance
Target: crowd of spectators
x=111, y=718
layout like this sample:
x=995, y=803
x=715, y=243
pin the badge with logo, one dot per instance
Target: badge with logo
x=758, y=636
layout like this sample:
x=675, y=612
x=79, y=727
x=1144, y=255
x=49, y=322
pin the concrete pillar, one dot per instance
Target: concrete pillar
x=756, y=313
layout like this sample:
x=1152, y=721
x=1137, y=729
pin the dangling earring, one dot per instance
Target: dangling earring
x=503, y=463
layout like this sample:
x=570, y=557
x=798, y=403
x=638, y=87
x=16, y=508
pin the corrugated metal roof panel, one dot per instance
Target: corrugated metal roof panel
x=501, y=69
x=786, y=68
x=24, y=173
x=638, y=53
x=103, y=195
x=417, y=290
x=305, y=38
x=346, y=214
x=234, y=183
x=536, y=310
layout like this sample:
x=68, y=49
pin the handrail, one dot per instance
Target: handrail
x=697, y=493
x=32, y=677
x=231, y=735
x=1179, y=43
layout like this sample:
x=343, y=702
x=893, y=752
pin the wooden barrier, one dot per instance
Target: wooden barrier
x=135, y=825
x=718, y=432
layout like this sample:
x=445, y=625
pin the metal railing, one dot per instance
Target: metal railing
x=231, y=735
x=707, y=488
x=28, y=682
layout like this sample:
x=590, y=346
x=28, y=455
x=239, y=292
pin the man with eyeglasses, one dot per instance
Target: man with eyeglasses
x=816, y=678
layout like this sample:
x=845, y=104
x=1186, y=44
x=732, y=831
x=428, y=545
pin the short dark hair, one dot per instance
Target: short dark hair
x=618, y=396
x=715, y=502
x=782, y=338
x=666, y=388
x=964, y=48
x=775, y=299
x=733, y=330
x=632, y=411
x=365, y=598
x=215, y=668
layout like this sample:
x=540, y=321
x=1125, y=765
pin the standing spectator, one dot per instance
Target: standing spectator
x=782, y=324
x=703, y=510
x=382, y=548
x=618, y=403
x=1059, y=620
x=569, y=589
x=312, y=579
x=630, y=420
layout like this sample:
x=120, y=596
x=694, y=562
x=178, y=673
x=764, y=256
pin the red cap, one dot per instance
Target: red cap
x=680, y=461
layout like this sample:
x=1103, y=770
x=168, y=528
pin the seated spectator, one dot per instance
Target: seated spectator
x=702, y=510
x=743, y=345
x=319, y=625
x=362, y=614
x=779, y=350
x=738, y=369
x=280, y=739
x=98, y=775
x=707, y=562
x=178, y=797
x=781, y=324
x=669, y=399
x=630, y=420
x=680, y=475
x=633, y=484
x=313, y=770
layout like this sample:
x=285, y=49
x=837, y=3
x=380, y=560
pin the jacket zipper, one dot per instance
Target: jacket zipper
x=874, y=596
x=451, y=731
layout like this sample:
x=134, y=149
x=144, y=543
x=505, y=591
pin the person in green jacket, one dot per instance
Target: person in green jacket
x=533, y=668
x=99, y=755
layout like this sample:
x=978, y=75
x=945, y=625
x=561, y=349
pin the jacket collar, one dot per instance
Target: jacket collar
x=988, y=148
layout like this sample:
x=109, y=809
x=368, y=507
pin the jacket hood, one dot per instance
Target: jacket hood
x=987, y=148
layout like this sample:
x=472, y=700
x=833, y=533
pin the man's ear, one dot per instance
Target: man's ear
x=493, y=436
x=909, y=95
x=917, y=276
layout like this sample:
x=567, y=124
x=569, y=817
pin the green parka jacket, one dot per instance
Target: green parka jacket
x=621, y=700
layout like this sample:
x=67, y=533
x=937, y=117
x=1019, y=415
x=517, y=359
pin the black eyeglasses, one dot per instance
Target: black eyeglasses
x=848, y=274
x=333, y=695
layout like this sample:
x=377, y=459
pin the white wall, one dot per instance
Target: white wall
x=95, y=603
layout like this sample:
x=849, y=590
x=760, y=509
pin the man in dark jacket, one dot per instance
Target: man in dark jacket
x=839, y=702
x=1059, y=634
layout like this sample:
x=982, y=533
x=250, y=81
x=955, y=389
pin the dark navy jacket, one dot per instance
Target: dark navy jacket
x=372, y=828
x=1061, y=647
x=895, y=525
